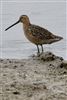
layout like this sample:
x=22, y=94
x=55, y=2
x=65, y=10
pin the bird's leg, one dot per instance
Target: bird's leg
x=38, y=50
x=42, y=48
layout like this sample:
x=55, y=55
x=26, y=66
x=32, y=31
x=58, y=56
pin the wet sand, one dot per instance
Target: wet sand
x=36, y=78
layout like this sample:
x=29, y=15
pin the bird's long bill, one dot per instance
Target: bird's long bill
x=12, y=25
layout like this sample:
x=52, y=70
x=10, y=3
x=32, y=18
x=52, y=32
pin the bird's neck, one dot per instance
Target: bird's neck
x=26, y=22
x=26, y=25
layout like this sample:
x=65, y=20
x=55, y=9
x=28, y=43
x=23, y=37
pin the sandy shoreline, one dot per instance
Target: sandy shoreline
x=36, y=78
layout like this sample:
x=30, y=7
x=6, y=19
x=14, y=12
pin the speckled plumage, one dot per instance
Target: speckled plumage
x=36, y=34
x=42, y=36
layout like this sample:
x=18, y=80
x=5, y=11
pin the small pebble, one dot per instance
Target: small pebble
x=41, y=99
x=15, y=66
x=10, y=61
x=12, y=85
x=51, y=65
x=29, y=94
x=50, y=53
x=36, y=71
x=61, y=66
x=5, y=66
x=61, y=58
x=16, y=93
x=22, y=65
x=1, y=60
x=4, y=74
x=64, y=72
x=7, y=89
x=44, y=87
x=24, y=76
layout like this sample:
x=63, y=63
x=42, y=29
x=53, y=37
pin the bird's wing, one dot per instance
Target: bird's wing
x=40, y=32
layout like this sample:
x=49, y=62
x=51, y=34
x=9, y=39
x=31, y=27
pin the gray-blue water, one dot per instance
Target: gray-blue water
x=50, y=15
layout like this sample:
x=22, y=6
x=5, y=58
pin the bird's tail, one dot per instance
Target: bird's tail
x=58, y=38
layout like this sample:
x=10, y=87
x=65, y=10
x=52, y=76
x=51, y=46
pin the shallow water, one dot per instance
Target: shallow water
x=50, y=15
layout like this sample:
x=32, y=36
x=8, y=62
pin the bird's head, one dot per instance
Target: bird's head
x=23, y=19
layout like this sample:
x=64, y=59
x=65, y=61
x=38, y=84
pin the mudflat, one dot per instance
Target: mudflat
x=42, y=77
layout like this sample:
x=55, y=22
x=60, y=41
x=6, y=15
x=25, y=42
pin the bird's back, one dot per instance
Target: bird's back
x=40, y=32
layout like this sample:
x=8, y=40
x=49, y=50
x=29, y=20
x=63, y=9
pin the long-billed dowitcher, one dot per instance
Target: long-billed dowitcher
x=35, y=33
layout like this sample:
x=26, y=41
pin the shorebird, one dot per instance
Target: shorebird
x=35, y=33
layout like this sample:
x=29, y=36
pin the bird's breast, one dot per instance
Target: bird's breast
x=29, y=35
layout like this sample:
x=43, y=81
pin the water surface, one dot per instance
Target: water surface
x=50, y=15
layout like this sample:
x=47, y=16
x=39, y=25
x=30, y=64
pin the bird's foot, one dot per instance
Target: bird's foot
x=41, y=53
x=38, y=54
